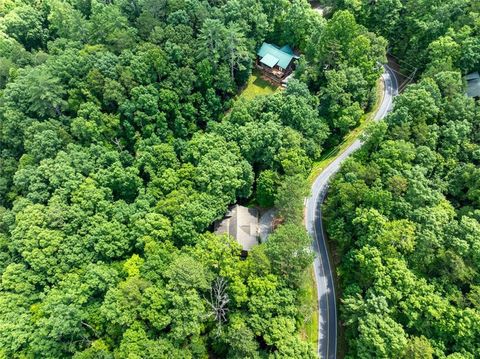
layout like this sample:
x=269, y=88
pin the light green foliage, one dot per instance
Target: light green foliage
x=288, y=249
x=419, y=347
x=257, y=86
x=290, y=198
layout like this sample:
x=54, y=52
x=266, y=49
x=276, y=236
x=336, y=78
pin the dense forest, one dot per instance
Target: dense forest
x=121, y=142
x=404, y=213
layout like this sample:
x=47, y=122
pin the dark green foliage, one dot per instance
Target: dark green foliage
x=267, y=184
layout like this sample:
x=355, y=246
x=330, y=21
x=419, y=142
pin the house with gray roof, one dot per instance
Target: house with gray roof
x=473, y=85
x=277, y=62
x=240, y=223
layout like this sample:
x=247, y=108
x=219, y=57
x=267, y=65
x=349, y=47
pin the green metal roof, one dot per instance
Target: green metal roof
x=287, y=49
x=284, y=58
x=269, y=60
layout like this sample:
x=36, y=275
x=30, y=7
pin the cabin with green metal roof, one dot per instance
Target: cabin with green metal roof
x=277, y=62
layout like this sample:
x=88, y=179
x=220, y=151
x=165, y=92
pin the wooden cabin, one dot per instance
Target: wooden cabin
x=276, y=62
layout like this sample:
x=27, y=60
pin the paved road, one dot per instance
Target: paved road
x=327, y=321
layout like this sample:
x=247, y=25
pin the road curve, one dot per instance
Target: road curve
x=327, y=303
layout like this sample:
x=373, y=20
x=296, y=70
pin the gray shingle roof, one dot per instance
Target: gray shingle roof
x=242, y=224
x=472, y=76
x=473, y=84
x=473, y=88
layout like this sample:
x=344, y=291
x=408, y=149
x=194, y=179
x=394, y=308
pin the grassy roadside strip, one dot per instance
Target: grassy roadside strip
x=330, y=156
x=309, y=299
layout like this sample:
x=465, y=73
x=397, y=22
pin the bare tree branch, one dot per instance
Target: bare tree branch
x=219, y=302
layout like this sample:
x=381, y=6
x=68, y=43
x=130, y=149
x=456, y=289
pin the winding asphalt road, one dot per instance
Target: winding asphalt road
x=327, y=303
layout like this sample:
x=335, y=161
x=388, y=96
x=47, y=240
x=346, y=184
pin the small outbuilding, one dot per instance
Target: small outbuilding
x=277, y=62
x=473, y=85
x=242, y=224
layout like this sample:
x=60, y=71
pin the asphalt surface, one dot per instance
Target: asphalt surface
x=327, y=321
